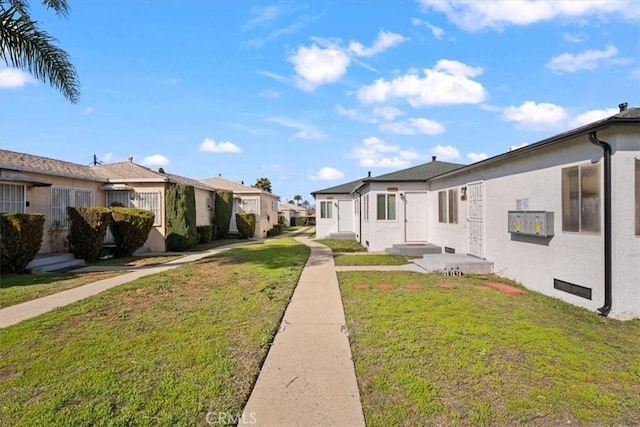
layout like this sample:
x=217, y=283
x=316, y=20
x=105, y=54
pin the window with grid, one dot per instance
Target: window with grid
x=119, y=197
x=366, y=207
x=453, y=206
x=386, y=207
x=581, y=198
x=442, y=206
x=149, y=201
x=64, y=197
x=12, y=198
x=326, y=209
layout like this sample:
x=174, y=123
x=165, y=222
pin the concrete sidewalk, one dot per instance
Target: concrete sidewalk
x=308, y=378
x=19, y=312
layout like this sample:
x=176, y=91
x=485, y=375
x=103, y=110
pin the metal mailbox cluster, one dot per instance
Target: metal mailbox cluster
x=531, y=223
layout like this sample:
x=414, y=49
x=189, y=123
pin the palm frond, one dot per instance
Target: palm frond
x=23, y=45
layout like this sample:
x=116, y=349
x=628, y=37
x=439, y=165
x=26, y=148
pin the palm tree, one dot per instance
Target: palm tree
x=263, y=184
x=297, y=198
x=25, y=46
x=305, y=204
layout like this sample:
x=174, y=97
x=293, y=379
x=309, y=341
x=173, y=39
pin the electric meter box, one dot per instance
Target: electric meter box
x=531, y=223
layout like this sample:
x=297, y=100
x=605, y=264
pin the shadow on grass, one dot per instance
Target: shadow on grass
x=13, y=280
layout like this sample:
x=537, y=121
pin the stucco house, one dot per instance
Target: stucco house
x=291, y=211
x=35, y=184
x=249, y=200
x=561, y=216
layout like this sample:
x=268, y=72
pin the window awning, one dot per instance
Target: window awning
x=12, y=176
x=116, y=187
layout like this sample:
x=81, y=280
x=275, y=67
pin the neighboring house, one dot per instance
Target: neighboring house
x=34, y=184
x=537, y=213
x=249, y=200
x=291, y=211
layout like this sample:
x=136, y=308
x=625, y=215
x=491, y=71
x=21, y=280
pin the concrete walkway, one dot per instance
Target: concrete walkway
x=19, y=312
x=308, y=378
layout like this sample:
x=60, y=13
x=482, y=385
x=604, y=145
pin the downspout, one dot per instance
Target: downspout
x=606, y=148
x=359, y=216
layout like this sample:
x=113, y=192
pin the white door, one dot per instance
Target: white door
x=233, y=227
x=415, y=217
x=344, y=216
x=475, y=203
x=121, y=197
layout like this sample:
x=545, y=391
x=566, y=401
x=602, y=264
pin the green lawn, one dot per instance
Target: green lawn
x=369, y=259
x=136, y=261
x=163, y=350
x=17, y=288
x=469, y=355
x=342, y=245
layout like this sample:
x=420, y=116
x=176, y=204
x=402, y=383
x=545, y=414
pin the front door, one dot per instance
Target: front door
x=344, y=216
x=415, y=214
x=475, y=202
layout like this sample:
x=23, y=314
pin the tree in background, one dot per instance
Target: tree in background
x=297, y=198
x=25, y=46
x=263, y=184
x=305, y=204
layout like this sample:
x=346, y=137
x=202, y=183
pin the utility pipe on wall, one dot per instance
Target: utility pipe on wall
x=606, y=148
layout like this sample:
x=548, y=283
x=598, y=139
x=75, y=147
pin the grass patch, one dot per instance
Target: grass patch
x=163, y=350
x=370, y=259
x=18, y=288
x=472, y=356
x=215, y=244
x=342, y=245
x=136, y=261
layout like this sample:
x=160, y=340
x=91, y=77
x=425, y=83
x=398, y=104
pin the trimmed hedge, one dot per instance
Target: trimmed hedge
x=130, y=228
x=246, y=224
x=204, y=233
x=281, y=219
x=223, y=209
x=20, y=240
x=279, y=228
x=181, y=218
x=87, y=228
x=301, y=220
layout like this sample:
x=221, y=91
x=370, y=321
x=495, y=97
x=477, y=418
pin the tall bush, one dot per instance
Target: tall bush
x=223, y=210
x=246, y=224
x=181, y=218
x=20, y=240
x=204, y=233
x=130, y=228
x=87, y=229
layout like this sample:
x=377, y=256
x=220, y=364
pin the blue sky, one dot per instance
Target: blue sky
x=314, y=94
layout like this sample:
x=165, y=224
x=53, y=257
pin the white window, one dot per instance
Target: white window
x=442, y=206
x=581, y=198
x=386, y=207
x=326, y=209
x=118, y=197
x=64, y=197
x=249, y=206
x=453, y=206
x=356, y=207
x=366, y=207
x=12, y=198
x=149, y=201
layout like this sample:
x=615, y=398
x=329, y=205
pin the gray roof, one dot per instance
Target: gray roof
x=347, y=188
x=236, y=187
x=12, y=160
x=421, y=172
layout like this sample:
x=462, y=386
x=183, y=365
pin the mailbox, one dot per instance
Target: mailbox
x=531, y=223
x=516, y=222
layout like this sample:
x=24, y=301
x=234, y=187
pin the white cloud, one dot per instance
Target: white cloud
x=210, y=146
x=316, y=66
x=13, y=78
x=436, y=31
x=588, y=60
x=533, y=116
x=262, y=16
x=376, y=153
x=445, y=152
x=477, y=15
x=269, y=93
x=155, y=160
x=592, y=116
x=515, y=147
x=327, y=174
x=448, y=83
x=476, y=157
x=106, y=158
x=413, y=127
x=574, y=37
x=384, y=41
x=305, y=131
x=274, y=76
x=387, y=112
x=87, y=111
x=168, y=81
x=354, y=114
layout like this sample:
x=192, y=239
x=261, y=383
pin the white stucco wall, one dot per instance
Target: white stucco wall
x=326, y=226
x=573, y=257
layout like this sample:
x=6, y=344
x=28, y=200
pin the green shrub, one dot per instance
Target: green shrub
x=214, y=232
x=204, y=233
x=181, y=218
x=246, y=224
x=301, y=221
x=87, y=228
x=130, y=228
x=223, y=209
x=281, y=219
x=279, y=228
x=20, y=240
